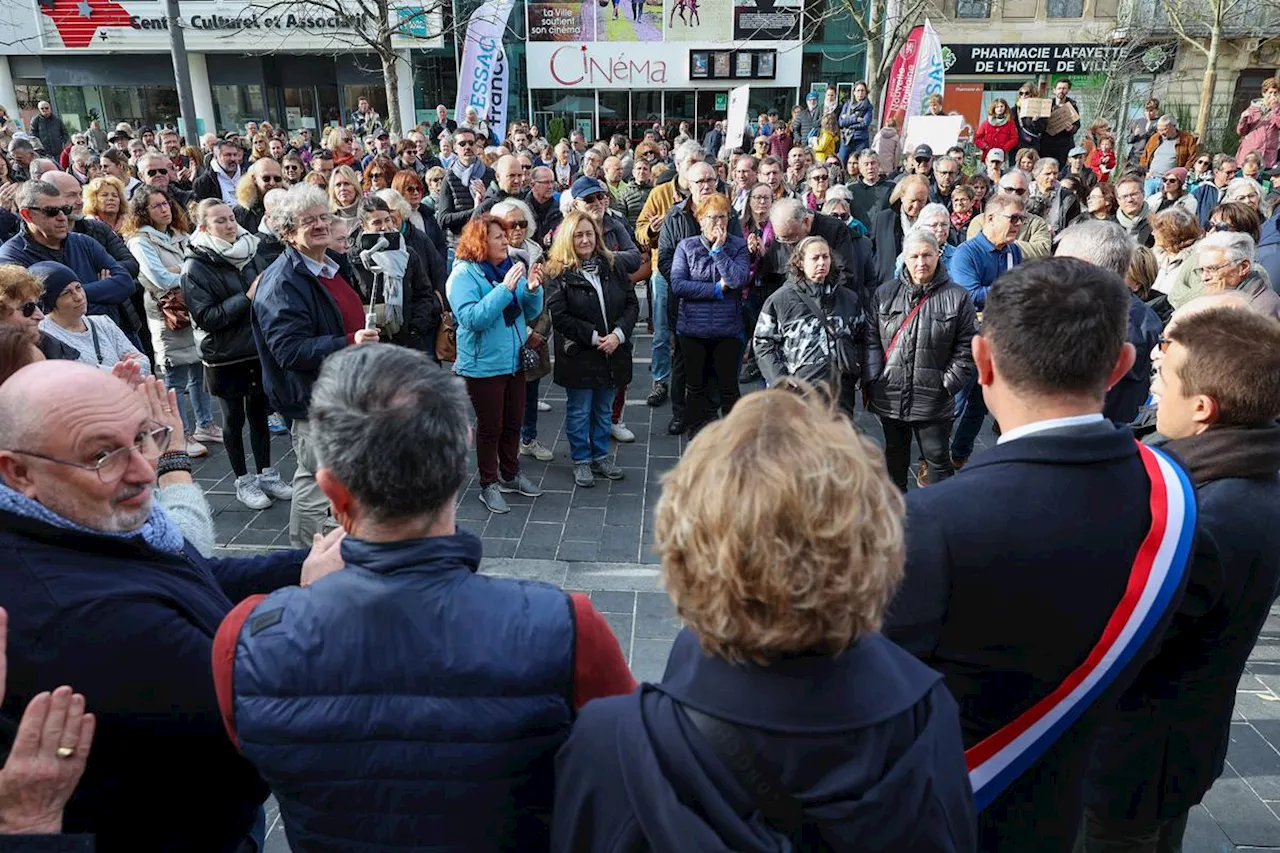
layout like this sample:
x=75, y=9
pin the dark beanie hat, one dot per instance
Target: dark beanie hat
x=56, y=277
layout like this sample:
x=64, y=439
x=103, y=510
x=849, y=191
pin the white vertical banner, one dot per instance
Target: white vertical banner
x=929, y=76
x=736, y=117
x=482, y=78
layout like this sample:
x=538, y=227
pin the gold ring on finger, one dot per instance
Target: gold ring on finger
x=66, y=751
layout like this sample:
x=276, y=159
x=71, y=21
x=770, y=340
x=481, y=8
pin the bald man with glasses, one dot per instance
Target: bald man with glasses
x=1035, y=238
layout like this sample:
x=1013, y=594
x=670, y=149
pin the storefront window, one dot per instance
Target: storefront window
x=556, y=112
x=377, y=96
x=235, y=105
x=677, y=107
x=71, y=106
x=973, y=8
x=615, y=113
x=29, y=95
x=646, y=108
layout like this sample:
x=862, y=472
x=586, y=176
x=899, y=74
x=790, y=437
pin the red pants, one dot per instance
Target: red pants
x=619, y=400
x=499, y=405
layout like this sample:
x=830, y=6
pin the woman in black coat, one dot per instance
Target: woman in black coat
x=219, y=275
x=592, y=347
x=419, y=310
x=926, y=325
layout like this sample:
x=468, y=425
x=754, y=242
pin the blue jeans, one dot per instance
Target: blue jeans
x=588, y=417
x=189, y=378
x=660, y=366
x=971, y=410
x=1151, y=186
x=529, y=429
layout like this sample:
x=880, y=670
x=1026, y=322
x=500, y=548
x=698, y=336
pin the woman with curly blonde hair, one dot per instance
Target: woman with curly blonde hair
x=781, y=540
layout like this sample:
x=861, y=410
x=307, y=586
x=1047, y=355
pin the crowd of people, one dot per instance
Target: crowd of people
x=391, y=300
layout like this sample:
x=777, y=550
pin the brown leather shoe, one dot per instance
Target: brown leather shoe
x=922, y=473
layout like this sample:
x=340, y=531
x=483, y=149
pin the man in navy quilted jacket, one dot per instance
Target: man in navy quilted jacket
x=407, y=702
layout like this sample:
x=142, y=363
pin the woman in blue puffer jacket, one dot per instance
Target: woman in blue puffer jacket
x=707, y=276
x=494, y=299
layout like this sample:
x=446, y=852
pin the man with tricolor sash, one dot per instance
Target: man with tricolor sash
x=1041, y=578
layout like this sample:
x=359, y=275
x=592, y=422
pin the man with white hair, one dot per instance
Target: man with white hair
x=224, y=172
x=1105, y=244
x=157, y=170
x=50, y=130
x=1227, y=264
x=84, y=164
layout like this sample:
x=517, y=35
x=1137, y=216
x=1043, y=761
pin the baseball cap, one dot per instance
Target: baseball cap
x=585, y=186
x=382, y=134
x=1077, y=152
x=923, y=152
x=995, y=155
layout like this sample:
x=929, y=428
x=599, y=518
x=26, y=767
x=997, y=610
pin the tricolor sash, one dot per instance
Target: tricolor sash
x=1156, y=577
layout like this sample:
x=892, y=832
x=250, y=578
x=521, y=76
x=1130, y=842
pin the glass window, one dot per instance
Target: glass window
x=1066, y=8
x=973, y=8
x=677, y=107
x=558, y=111
x=72, y=106
x=235, y=105
x=615, y=114
x=646, y=110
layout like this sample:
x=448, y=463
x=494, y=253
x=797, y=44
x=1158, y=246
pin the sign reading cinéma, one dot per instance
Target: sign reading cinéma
x=1032, y=59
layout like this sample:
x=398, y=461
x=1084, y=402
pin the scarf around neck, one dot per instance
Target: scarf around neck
x=468, y=173
x=1226, y=452
x=159, y=531
x=1127, y=222
x=998, y=121
x=238, y=254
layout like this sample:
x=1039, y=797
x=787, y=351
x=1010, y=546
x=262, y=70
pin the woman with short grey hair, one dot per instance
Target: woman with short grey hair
x=925, y=325
x=1244, y=190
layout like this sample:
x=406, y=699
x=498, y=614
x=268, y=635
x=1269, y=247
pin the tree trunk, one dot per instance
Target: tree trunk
x=1210, y=78
x=391, y=79
x=875, y=47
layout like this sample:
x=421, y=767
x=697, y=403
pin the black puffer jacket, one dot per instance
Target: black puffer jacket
x=215, y=292
x=421, y=308
x=574, y=307
x=932, y=359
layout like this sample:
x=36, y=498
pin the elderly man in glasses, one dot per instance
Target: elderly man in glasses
x=1035, y=239
x=46, y=235
x=106, y=593
x=158, y=171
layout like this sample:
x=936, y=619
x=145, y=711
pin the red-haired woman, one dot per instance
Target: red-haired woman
x=379, y=174
x=494, y=299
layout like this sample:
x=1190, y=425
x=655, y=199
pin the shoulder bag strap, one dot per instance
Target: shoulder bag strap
x=761, y=782
x=97, y=346
x=907, y=322
x=817, y=312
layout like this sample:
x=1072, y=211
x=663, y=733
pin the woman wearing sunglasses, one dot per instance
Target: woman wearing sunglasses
x=379, y=174
x=20, y=308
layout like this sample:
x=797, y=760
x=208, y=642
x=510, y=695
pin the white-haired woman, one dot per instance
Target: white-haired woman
x=925, y=324
x=1246, y=191
x=936, y=219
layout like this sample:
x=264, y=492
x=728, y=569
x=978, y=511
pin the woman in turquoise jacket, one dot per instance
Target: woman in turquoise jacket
x=494, y=297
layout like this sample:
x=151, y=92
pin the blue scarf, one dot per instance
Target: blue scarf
x=159, y=531
x=468, y=173
x=495, y=273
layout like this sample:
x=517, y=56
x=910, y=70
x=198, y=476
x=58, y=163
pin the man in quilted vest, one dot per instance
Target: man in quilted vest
x=407, y=702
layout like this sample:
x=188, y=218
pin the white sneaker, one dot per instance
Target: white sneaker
x=537, y=450
x=269, y=481
x=621, y=433
x=248, y=493
x=195, y=449
x=208, y=434
x=544, y=406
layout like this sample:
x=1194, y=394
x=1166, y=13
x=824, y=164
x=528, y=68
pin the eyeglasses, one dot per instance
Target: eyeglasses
x=64, y=209
x=822, y=179
x=1216, y=268
x=271, y=179
x=27, y=309
x=702, y=182
x=519, y=223
x=159, y=205
x=151, y=173
x=111, y=465
x=1219, y=226
x=843, y=217
x=308, y=221
x=1013, y=190
x=1015, y=218
x=940, y=173
x=1173, y=180
x=464, y=143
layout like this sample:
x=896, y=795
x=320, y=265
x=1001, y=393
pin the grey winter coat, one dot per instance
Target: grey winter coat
x=932, y=358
